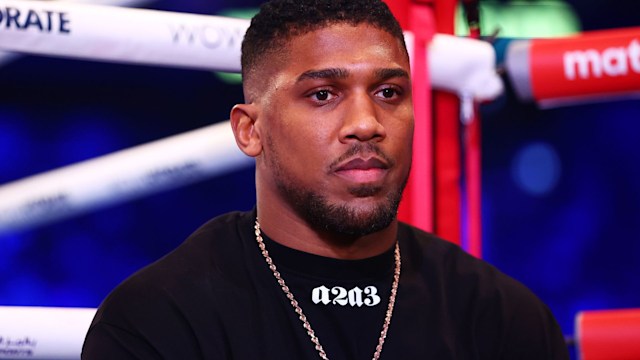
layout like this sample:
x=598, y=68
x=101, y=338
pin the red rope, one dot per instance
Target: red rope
x=473, y=153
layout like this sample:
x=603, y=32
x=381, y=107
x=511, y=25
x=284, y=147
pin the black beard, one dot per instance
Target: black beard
x=342, y=219
x=337, y=219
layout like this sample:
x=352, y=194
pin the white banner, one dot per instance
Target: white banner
x=43, y=333
x=116, y=34
x=146, y=169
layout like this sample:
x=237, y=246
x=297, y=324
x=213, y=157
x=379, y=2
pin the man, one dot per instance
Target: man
x=322, y=268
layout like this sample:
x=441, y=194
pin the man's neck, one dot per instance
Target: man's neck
x=286, y=227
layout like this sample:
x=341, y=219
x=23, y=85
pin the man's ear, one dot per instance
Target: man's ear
x=243, y=121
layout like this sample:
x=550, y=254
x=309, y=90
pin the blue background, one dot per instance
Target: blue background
x=561, y=187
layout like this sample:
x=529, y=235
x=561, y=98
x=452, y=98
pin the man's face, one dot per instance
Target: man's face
x=336, y=125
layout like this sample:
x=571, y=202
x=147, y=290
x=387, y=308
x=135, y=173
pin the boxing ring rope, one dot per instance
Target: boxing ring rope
x=43, y=332
x=591, y=66
x=161, y=165
x=152, y=37
x=108, y=33
x=608, y=334
x=7, y=57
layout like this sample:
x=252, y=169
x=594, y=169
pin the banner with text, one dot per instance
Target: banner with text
x=116, y=34
x=598, y=64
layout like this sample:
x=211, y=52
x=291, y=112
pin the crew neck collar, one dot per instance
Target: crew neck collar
x=308, y=264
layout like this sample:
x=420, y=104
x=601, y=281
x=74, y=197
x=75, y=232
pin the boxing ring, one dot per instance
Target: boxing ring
x=462, y=66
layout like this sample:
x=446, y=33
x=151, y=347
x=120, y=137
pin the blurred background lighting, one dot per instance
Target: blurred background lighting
x=536, y=168
x=523, y=19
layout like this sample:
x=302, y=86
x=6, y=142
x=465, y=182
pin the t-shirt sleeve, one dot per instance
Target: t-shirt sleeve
x=526, y=328
x=139, y=320
x=532, y=332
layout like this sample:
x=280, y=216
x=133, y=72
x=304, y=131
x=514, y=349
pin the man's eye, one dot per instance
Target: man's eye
x=322, y=95
x=388, y=93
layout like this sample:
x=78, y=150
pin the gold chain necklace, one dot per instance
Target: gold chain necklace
x=303, y=318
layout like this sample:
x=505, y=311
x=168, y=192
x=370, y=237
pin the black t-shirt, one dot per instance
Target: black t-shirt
x=214, y=297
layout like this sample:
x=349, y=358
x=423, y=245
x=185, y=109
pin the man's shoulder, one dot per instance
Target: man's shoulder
x=427, y=249
x=458, y=270
x=210, y=243
x=196, y=267
x=166, y=306
x=507, y=317
x=222, y=225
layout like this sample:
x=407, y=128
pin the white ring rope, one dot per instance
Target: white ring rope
x=164, y=164
x=7, y=57
x=43, y=332
x=110, y=33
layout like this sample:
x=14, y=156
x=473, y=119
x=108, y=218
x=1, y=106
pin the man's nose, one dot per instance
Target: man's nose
x=361, y=120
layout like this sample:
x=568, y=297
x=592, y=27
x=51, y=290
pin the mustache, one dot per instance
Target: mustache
x=363, y=150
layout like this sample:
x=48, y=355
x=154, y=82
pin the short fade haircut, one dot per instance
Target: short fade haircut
x=280, y=20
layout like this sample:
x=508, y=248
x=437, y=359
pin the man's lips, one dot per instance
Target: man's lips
x=362, y=164
x=361, y=170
